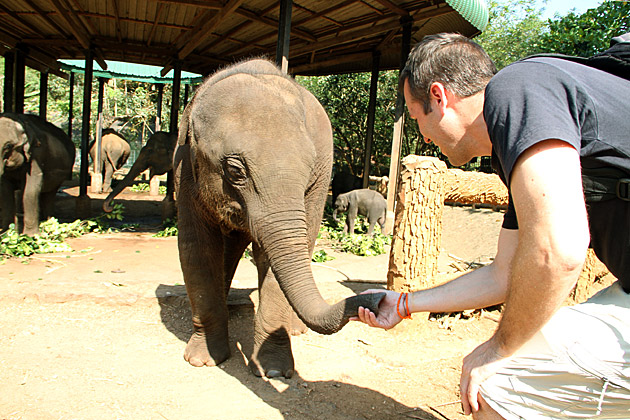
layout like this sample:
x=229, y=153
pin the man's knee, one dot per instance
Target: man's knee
x=486, y=412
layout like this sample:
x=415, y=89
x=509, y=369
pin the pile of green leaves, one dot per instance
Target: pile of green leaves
x=52, y=235
x=169, y=228
x=144, y=186
x=358, y=243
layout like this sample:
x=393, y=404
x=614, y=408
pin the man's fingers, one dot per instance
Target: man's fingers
x=463, y=391
x=473, y=390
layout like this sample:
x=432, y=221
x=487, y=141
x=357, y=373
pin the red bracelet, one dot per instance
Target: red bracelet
x=404, y=303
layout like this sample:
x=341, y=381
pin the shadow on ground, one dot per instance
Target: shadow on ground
x=295, y=398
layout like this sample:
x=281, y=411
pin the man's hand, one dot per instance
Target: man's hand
x=387, y=317
x=478, y=366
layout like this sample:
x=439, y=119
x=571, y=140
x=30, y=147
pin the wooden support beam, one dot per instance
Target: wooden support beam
x=43, y=94
x=201, y=31
x=117, y=16
x=284, y=35
x=28, y=27
x=394, y=8
x=46, y=19
x=158, y=14
x=367, y=158
x=72, y=26
x=207, y=4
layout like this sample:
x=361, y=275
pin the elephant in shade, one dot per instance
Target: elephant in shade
x=252, y=165
x=365, y=202
x=114, y=153
x=37, y=157
x=156, y=155
x=343, y=182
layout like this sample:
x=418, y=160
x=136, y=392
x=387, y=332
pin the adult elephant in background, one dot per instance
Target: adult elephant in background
x=253, y=165
x=114, y=154
x=156, y=156
x=37, y=157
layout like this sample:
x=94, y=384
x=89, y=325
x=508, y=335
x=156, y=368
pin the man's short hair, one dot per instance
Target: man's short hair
x=460, y=64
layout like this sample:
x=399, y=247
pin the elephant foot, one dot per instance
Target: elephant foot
x=273, y=358
x=201, y=351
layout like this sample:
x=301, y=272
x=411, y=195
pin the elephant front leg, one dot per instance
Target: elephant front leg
x=272, y=356
x=202, y=266
x=32, y=189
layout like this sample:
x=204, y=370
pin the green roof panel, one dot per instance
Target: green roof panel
x=474, y=11
x=130, y=71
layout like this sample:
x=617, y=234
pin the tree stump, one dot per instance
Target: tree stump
x=416, y=242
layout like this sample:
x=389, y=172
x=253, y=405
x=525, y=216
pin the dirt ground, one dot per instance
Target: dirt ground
x=99, y=333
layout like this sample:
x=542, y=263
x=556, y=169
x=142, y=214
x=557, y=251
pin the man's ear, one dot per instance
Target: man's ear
x=438, y=96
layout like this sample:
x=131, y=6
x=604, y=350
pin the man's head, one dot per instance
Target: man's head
x=461, y=65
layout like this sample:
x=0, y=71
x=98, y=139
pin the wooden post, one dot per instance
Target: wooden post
x=83, y=206
x=19, y=77
x=9, y=74
x=158, y=106
x=417, y=239
x=367, y=159
x=397, y=137
x=43, y=93
x=71, y=104
x=284, y=35
x=97, y=175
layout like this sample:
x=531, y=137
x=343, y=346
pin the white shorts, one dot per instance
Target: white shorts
x=576, y=367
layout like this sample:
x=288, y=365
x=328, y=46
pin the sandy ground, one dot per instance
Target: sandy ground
x=99, y=333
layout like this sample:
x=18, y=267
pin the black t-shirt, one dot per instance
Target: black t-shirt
x=549, y=98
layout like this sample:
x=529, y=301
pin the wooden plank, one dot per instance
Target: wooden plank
x=394, y=8
x=202, y=31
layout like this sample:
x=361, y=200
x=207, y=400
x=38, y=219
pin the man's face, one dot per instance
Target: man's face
x=439, y=126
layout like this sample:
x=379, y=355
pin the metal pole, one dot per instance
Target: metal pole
x=284, y=35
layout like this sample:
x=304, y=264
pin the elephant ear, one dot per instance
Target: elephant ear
x=185, y=134
x=27, y=137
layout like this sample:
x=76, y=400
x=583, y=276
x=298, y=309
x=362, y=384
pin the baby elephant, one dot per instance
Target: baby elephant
x=365, y=202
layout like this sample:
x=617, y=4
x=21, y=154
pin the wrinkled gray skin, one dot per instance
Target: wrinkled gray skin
x=365, y=202
x=235, y=188
x=114, y=153
x=37, y=157
x=156, y=156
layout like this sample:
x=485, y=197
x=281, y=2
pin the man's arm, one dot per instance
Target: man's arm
x=546, y=187
x=485, y=286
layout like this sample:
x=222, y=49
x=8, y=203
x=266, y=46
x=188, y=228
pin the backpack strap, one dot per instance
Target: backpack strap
x=604, y=184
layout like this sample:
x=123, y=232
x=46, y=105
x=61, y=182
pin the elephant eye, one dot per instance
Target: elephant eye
x=235, y=170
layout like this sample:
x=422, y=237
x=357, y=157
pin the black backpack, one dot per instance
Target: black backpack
x=606, y=183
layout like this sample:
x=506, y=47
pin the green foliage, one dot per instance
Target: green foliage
x=321, y=256
x=345, y=97
x=52, y=235
x=357, y=243
x=513, y=31
x=169, y=228
x=589, y=33
x=144, y=186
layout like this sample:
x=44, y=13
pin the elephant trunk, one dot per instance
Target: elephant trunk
x=291, y=265
x=138, y=167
